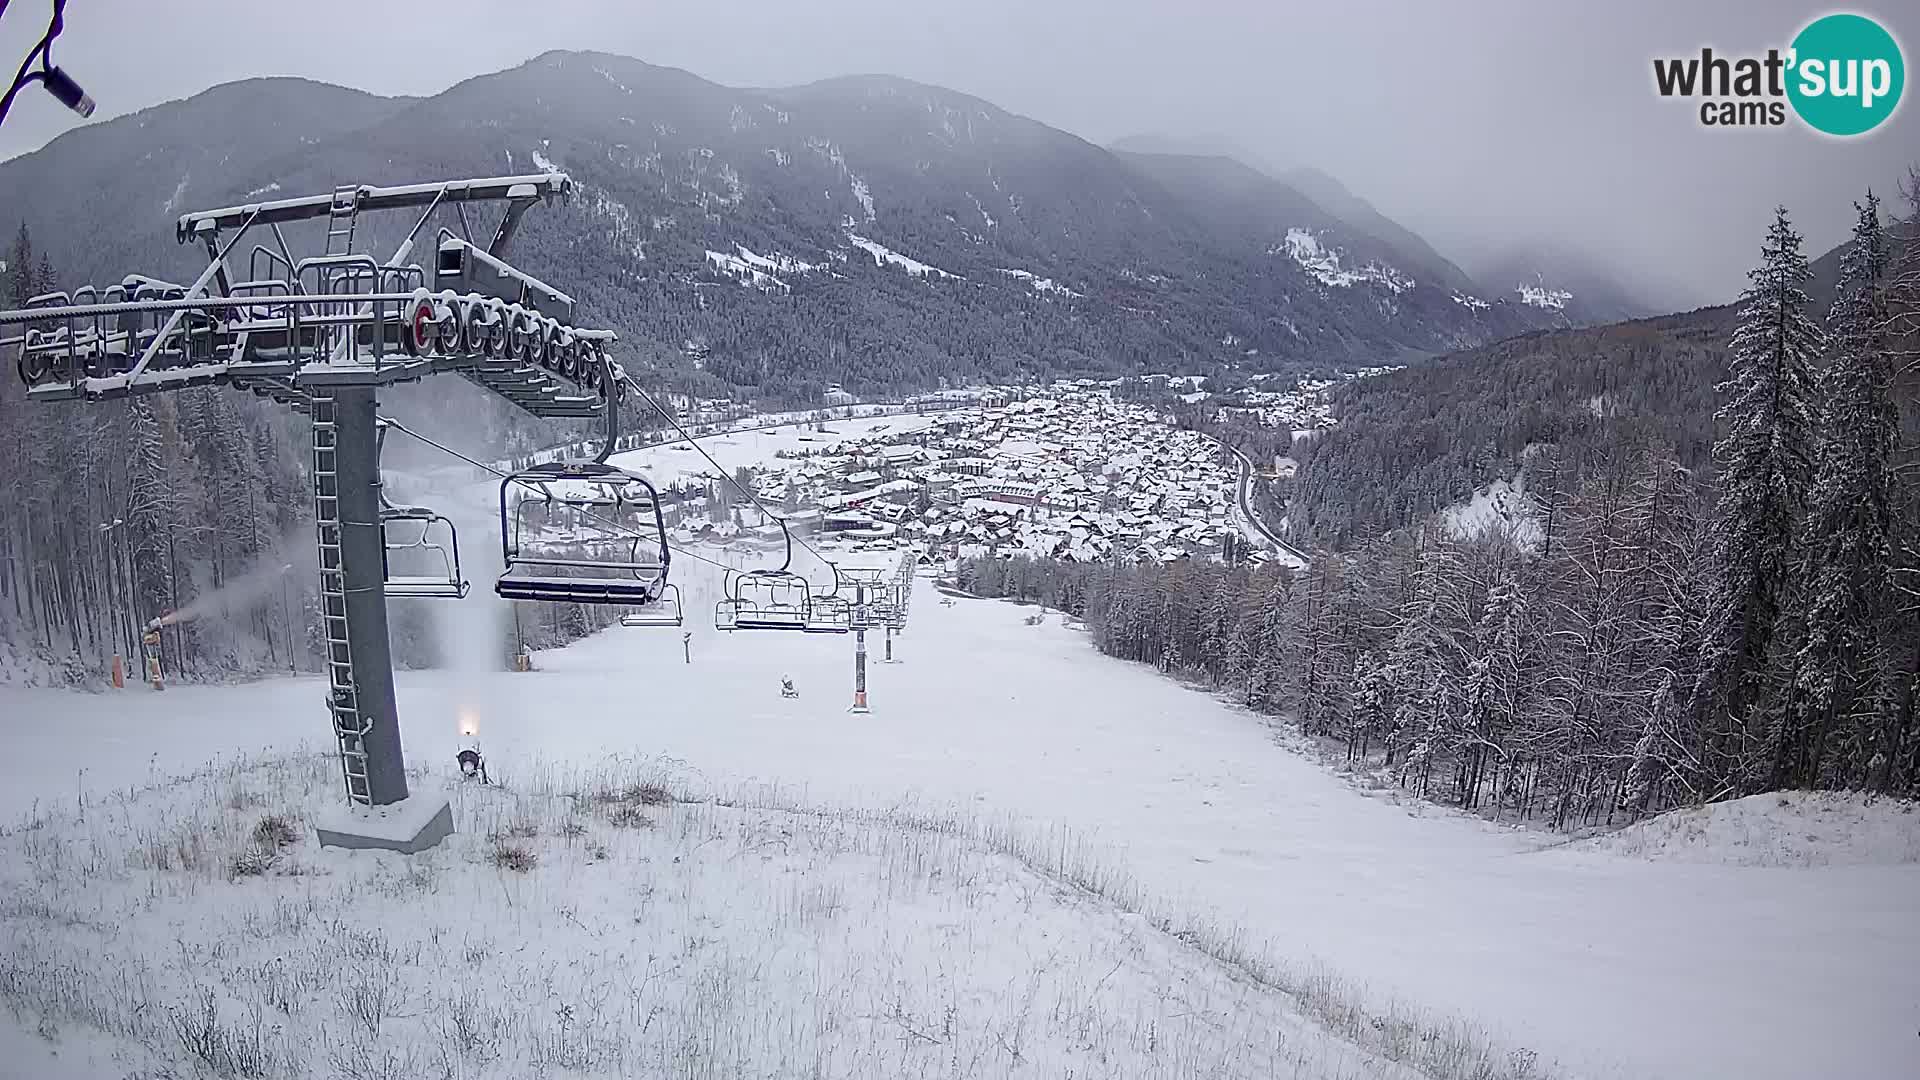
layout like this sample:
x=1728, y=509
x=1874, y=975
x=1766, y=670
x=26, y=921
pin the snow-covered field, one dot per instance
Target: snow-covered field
x=1614, y=964
x=1786, y=828
x=665, y=464
x=586, y=923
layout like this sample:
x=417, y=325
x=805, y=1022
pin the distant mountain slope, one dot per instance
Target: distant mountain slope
x=1331, y=200
x=1332, y=195
x=1359, y=276
x=1414, y=442
x=867, y=230
x=101, y=198
x=1563, y=283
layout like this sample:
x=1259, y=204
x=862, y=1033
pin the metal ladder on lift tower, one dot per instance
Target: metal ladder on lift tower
x=350, y=726
x=341, y=215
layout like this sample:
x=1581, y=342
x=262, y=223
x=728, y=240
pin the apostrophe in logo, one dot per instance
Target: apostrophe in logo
x=1843, y=75
x=1847, y=74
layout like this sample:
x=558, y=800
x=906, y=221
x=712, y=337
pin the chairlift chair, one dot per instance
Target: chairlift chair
x=586, y=533
x=422, y=553
x=828, y=615
x=764, y=600
x=665, y=611
x=421, y=549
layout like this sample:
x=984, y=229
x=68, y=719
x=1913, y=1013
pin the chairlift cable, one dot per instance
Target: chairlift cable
x=610, y=523
x=614, y=525
x=744, y=490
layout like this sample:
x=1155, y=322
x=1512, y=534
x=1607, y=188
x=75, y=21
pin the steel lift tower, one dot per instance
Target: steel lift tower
x=323, y=334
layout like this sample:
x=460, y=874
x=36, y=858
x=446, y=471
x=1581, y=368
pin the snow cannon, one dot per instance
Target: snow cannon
x=150, y=649
x=473, y=765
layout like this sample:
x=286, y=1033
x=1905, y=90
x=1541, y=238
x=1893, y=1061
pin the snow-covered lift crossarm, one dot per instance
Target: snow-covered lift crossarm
x=322, y=334
x=336, y=317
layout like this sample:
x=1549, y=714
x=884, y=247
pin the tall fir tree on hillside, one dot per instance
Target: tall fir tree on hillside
x=1764, y=460
x=16, y=284
x=1902, y=331
x=1835, y=727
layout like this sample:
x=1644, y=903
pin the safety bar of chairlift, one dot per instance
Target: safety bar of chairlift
x=657, y=614
x=547, y=497
x=425, y=587
x=448, y=586
x=753, y=618
x=740, y=615
x=520, y=559
x=833, y=619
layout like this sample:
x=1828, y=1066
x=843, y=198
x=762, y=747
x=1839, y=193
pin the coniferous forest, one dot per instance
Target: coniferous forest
x=113, y=514
x=1721, y=595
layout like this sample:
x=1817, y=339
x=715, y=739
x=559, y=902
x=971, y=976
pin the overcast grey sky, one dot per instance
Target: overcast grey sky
x=1481, y=124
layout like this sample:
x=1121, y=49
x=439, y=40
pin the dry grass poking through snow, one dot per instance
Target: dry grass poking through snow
x=596, y=923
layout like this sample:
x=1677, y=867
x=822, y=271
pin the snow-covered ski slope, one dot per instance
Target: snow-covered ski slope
x=584, y=923
x=1615, y=965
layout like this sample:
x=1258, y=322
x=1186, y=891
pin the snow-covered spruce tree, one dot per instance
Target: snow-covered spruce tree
x=1309, y=650
x=1375, y=685
x=1494, y=685
x=1665, y=760
x=1838, y=711
x=1421, y=727
x=1902, y=333
x=1764, y=458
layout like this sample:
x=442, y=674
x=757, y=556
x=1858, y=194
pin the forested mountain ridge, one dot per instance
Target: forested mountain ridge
x=867, y=230
x=1548, y=277
x=1325, y=203
x=1335, y=199
x=1552, y=287
x=1415, y=441
x=1712, y=594
x=101, y=199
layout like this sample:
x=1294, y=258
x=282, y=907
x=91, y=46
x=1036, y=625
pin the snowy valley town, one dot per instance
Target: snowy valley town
x=1064, y=471
x=611, y=547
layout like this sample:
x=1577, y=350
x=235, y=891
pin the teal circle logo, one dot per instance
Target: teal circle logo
x=1846, y=74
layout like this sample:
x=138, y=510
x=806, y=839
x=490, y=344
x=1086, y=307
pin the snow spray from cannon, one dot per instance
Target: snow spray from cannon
x=469, y=632
x=236, y=594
